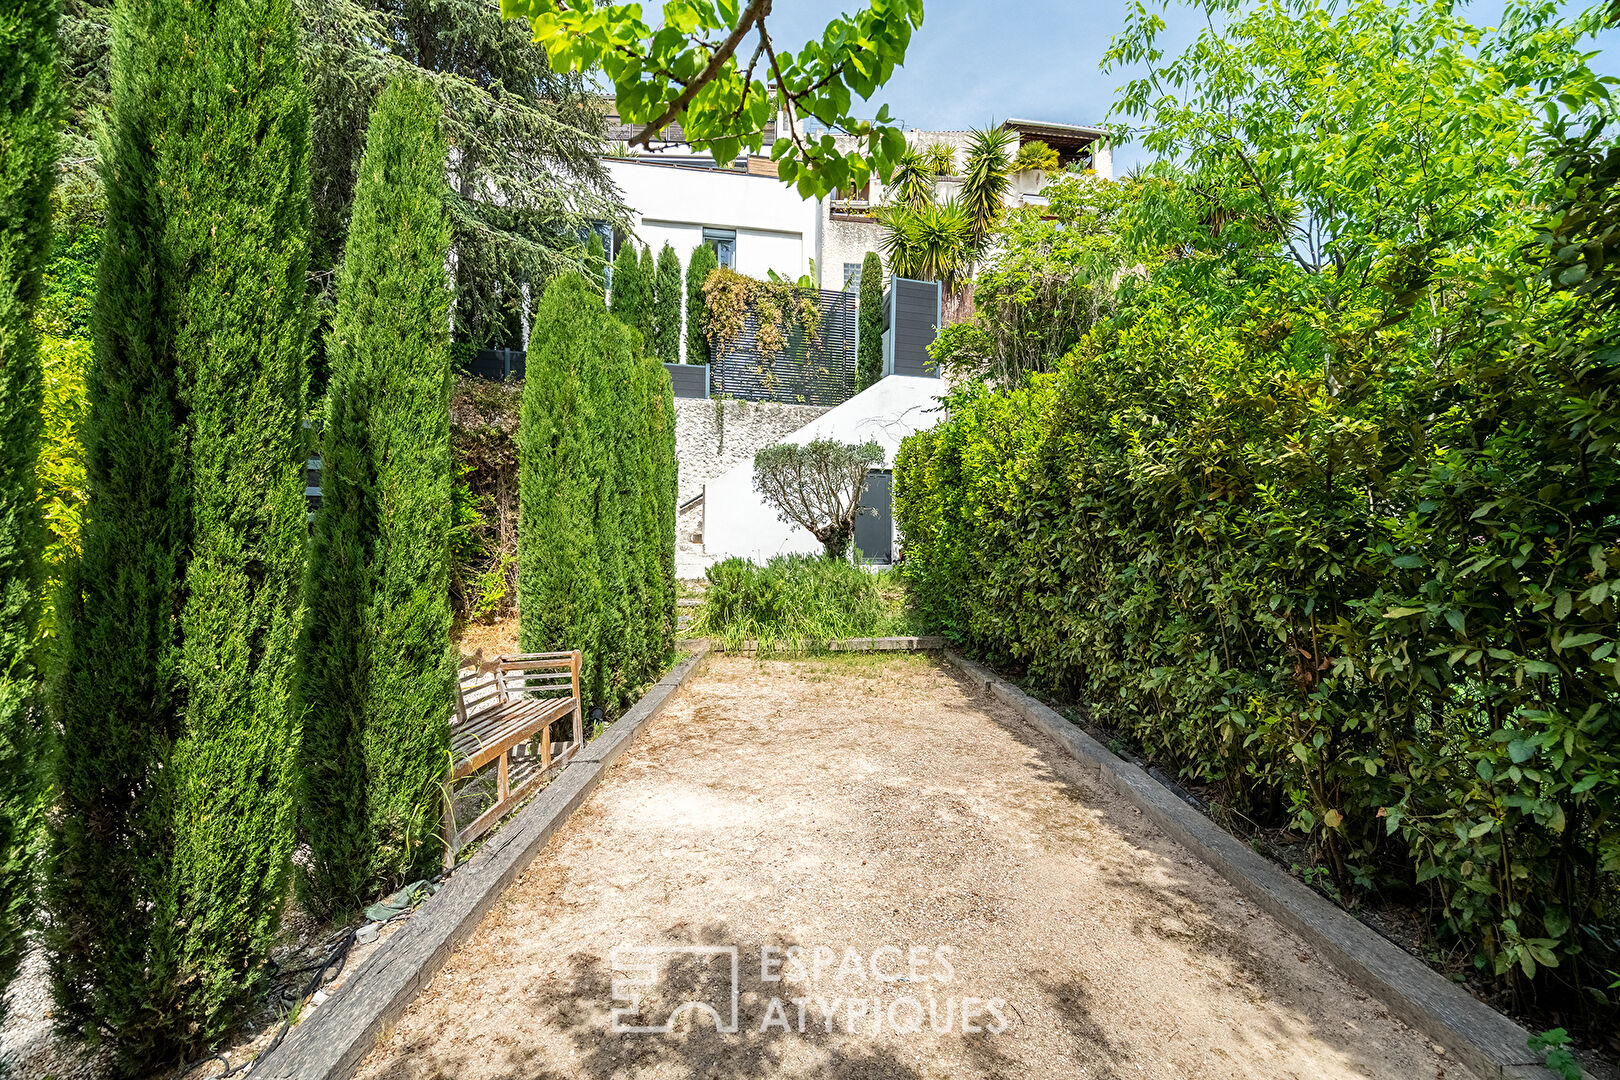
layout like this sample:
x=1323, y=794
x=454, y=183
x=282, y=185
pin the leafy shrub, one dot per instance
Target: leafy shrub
x=798, y=603
x=1324, y=513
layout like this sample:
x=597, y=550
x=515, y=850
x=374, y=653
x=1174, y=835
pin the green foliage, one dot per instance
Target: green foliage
x=1553, y=1049
x=798, y=603
x=30, y=103
x=175, y=821
x=869, y=340
x=912, y=184
x=377, y=668
x=667, y=287
x=1051, y=277
x=647, y=314
x=702, y=264
x=687, y=72
x=484, y=506
x=941, y=158
x=1035, y=154
x=783, y=312
x=627, y=294
x=528, y=175
x=1321, y=507
x=928, y=240
x=985, y=180
x=596, y=445
x=818, y=486
x=931, y=242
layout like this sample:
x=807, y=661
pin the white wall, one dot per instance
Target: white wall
x=775, y=227
x=737, y=521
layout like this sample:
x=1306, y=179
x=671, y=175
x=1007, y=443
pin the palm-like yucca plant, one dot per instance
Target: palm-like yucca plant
x=941, y=158
x=912, y=184
x=932, y=242
x=985, y=180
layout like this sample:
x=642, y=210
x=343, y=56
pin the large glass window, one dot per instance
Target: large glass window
x=724, y=242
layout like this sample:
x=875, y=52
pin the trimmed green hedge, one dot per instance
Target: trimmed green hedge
x=698, y=268
x=869, y=341
x=377, y=668
x=29, y=104
x=595, y=540
x=175, y=819
x=1393, y=630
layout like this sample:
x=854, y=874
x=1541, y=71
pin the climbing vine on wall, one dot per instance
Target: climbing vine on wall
x=780, y=308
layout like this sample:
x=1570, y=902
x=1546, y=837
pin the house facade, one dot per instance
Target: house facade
x=761, y=227
x=758, y=225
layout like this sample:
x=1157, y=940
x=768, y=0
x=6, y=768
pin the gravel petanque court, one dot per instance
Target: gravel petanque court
x=915, y=883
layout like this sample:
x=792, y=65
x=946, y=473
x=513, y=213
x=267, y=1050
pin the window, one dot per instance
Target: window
x=852, y=277
x=724, y=242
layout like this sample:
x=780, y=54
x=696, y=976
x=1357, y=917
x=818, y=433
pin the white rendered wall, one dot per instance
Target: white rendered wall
x=775, y=227
x=737, y=521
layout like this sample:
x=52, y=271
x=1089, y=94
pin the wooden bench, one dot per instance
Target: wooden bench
x=503, y=706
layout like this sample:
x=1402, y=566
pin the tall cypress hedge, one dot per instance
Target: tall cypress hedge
x=175, y=820
x=649, y=298
x=377, y=666
x=869, y=323
x=625, y=296
x=29, y=104
x=666, y=339
x=698, y=268
x=596, y=444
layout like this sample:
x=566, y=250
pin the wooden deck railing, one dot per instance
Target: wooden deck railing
x=504, y=707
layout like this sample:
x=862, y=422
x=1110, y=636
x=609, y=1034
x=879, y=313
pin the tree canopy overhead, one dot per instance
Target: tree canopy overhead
x=690, y=70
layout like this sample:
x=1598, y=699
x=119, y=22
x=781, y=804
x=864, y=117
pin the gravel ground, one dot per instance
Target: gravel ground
x=964, y=900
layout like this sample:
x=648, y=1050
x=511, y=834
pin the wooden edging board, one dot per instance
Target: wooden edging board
x=1490, y=1044
x=863, y=644
x=329, y=1044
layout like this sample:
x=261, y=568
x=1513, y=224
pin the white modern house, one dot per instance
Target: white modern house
x=760, y=226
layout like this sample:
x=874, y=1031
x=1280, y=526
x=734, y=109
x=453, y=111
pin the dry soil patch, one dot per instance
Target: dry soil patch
x=875, y=804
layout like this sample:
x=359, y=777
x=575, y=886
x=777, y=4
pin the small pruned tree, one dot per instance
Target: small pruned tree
x=869, y=343
x=666, y=340
x=818, y=485
x=649, y=298
x=626, y=287
x=698, y=269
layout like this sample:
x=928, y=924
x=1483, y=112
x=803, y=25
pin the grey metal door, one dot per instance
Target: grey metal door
x=874, y=531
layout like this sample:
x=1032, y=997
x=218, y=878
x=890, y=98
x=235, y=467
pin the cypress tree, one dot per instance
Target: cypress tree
x=869, y=324
x=174, y=830
x=649, y=298
x=702, y=264
x=625, y=297
x=576, y=357
x=29, y=114
x=377, y=680
x=667, y=314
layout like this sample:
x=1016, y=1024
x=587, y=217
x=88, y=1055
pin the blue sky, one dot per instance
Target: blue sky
x=1037, y=59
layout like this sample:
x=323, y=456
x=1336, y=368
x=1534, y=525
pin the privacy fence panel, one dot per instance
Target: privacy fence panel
x=809, y=369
